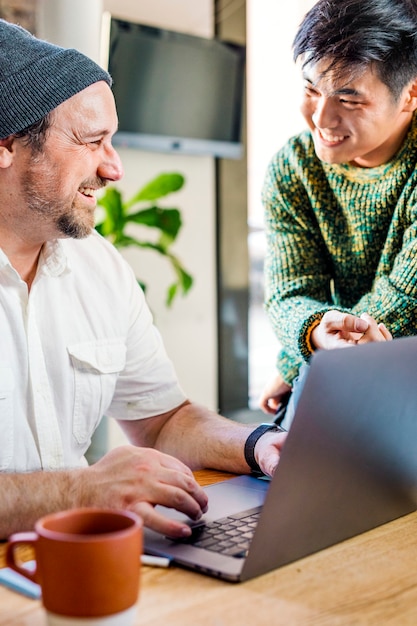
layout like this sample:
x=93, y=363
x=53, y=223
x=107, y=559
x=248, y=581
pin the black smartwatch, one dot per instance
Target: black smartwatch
x=251, y=442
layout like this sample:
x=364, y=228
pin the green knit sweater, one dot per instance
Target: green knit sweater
x=338, y=237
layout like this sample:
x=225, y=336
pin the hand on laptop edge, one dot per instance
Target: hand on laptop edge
x=268, y=449
x=160, y=478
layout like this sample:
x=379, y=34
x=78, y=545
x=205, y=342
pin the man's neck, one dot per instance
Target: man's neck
x=23, y=258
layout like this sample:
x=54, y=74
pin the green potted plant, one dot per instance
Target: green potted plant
x=119, y=215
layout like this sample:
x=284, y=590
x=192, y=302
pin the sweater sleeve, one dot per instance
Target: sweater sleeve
x=393, y=297
x=297, y=265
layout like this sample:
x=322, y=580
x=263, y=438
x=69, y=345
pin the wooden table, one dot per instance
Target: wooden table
x=370, y=579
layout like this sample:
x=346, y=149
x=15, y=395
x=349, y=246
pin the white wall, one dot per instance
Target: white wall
x=189, y=329
x=59, y=21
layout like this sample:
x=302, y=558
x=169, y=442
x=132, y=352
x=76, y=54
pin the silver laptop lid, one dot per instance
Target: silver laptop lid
x=350, y=460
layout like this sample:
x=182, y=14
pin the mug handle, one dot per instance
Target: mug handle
x=28, y=539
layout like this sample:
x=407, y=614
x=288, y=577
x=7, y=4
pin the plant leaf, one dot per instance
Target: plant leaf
x=186, y=280
x=171, y=293
x=114, y=220
x=167, y=220
x=159, y=187
x=125, y=241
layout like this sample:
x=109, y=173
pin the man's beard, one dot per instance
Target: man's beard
x=42, y=198
x=69, y=226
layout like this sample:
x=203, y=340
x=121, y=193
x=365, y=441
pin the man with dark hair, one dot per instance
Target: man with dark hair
x=77, y=338
x=340, y=198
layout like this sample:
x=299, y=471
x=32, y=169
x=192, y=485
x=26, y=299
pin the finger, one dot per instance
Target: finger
x=354, y=324
x=368, y=318
x=355, y=337
x=373, y=333
x=178, y=499
x=334, y=321
x=263, y=402
x=183, y=478
x=385, y=332
x=193, y=489
x=272, y=394
x=269, y=451
x=159, y=523
x=178, y=491
x=337, y=330
x=175, y=481
x=269, y=406
x=269, y=465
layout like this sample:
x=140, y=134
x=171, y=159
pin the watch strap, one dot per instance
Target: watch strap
x=251, y=441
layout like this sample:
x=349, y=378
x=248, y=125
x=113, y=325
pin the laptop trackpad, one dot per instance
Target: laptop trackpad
x=228, y=497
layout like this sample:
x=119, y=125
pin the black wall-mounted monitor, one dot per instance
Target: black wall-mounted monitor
x=176, y=92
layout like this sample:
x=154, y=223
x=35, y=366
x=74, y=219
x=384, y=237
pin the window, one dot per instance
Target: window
x=273, y=86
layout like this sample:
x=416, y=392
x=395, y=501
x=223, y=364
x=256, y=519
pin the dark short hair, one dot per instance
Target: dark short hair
x=35, y=134
x=353, y=35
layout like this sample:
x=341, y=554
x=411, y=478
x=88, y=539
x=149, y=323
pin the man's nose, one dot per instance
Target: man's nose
x=111, y=167
x=325, y=114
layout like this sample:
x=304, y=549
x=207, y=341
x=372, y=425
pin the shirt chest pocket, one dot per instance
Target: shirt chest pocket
x=6, y=416
x=96, y=367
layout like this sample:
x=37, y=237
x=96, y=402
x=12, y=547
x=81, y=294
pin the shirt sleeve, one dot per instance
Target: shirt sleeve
x=148, y=384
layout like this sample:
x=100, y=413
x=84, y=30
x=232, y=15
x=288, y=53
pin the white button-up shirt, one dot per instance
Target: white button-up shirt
x=81, y=345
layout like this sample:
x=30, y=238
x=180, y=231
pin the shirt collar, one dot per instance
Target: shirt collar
x=53, y=260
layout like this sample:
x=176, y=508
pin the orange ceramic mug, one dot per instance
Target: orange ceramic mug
x=87, y=564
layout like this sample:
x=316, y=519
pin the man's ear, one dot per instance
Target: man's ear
x=6, y=151
x=410, y=103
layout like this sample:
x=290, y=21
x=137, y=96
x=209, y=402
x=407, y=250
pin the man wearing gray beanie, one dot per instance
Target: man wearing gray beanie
x=77, y=336
x=37, y=77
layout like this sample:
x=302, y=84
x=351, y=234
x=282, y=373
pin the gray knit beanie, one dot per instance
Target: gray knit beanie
x=36, y=76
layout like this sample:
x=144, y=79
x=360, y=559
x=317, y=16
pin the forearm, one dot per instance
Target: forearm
x=203, y=439
x=127, y=477
x=26, y=497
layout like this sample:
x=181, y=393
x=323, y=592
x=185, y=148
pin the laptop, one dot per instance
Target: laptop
x=349, y=464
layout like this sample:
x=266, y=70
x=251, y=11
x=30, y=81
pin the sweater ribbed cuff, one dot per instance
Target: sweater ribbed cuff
x=305, y=344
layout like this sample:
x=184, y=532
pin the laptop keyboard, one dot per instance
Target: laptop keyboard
x=230, y=535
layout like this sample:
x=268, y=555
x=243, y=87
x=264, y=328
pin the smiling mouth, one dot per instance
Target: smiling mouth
x=331, y=140
x=87, y=191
